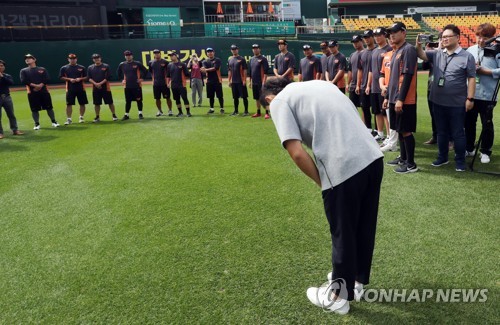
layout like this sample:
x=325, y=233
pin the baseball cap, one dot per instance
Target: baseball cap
x=209, y=49
x=234, y=47
x=127, y=52
x=379, y=31
x=29, y=56
x=156, y=51
x=356, y=38
x=71, y=56
x=396, y=27
x=332, y=43
x=256, y=46
x=96, y=55
x=172, y=53
x=323, y=44
x=282, y=41
x=367, y=33
x=306, y=47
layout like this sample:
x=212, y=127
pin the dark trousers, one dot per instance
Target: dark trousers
x=433, y=123
x=6, y=103
x=450, y=125
x=351, y=209
x=485, y=110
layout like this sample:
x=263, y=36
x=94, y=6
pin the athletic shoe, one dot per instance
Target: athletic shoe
x=378, y=138
x=358, y=287
x=115, y=118
x=170, y=113
x=438, y=163
x=17, y=132
x=396, y=162
x=80, y=120
x=159, y=114
x=125, y=117
x=222, y=111
x=68, y=121
x=388, y=147
x=374, y=133
x=430, y=141
x=485, y=158
x=141, y=117
x=37, y=127
x=470, y=153
x=234, y=114
x=211, y=111
x=267, y=116
x=180, y=115
x=189, y=115
x=459, y=167
x=406, y=168
x=321, y=297
x=257, y=115
x=97, y=119
x=55, y=124
x=245, y=114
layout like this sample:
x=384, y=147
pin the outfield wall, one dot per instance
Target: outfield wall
x=53, y=55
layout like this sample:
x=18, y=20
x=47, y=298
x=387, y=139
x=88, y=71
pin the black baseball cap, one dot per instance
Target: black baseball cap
x=96, y=55
x=156, y=51
x=396, y=27
x=234, y=47
x=29, y=56
x=380, y=31
x=127, y=52
x=323, y=44
x=71, y=56
x=282, y=41
x=356, y=38
x=306, y=47
x=332, y=43
x=367, y=33
x=256, y=46
x=172, y=53
x=209, y=49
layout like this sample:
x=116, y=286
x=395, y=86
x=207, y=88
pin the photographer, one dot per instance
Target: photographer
x=487, y=77
x=196, y=79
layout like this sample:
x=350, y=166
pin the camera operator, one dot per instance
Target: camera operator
x=452, y=93
x=487, y=77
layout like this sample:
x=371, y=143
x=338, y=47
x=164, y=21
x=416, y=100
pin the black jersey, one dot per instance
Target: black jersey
x=131, y=72
x=158, y=70
x=100, y=72
x=213, y=76
x=34, y=75
x=73, y=72
x=177, y=72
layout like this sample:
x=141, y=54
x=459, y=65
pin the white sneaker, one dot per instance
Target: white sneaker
x=115, y=118
x=37, y=127
x=470, y=153
x=388, y=147
x=485, y=158
x=56, y=125
x=68, y=121
x=80, y=120
x=359, y=291
x=321, y=297
x=385, y=142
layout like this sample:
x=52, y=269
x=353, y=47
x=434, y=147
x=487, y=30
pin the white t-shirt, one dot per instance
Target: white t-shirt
x=325, y=120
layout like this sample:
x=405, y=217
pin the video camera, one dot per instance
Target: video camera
x=491, y=50
x=428, y=40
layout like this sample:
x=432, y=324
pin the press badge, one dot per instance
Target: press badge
x=441, y=82
x=477, y=80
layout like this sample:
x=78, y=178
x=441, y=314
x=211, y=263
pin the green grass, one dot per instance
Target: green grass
x=206, y=220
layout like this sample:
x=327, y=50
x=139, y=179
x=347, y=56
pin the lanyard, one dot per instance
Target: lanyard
x=448, y=62
x=479, y=58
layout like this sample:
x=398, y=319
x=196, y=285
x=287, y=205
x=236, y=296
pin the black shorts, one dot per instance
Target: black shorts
x=342, y=90
x=98, y=95
x=159, y=91
x=364, y=100
x=239, y=91
x=81, y=95
x=406, y=121
x=256, y=90
x=377, y=100
x=214, y=89
x=179, y=93
x=133, y=94
x=354, y=98
x=40, y=101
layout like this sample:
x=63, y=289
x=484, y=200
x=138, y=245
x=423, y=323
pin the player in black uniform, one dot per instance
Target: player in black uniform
x=99, y=75
x=336, y=66
x=74, y=75
x=237, y=79
x=177, y=73
x=211, y=67
x=36, y=79
x=284, y=62
x=324, y=58
x=257, y=74
x=132, y=72
x=158, y=70
x=310, y=65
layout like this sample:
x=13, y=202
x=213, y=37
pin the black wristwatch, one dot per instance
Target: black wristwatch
x=470, y=99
